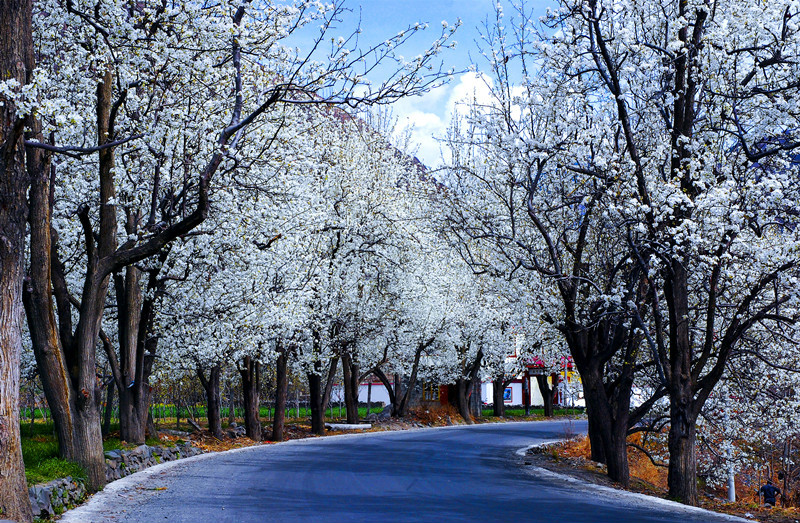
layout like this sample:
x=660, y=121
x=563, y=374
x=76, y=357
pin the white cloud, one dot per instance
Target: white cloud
x=427, y=117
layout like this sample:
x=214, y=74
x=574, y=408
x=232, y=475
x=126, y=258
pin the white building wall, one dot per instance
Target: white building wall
x=379, y=393
x=487, y=390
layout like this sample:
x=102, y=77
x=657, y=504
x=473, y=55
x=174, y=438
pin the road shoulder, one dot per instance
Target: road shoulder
x=599, y=483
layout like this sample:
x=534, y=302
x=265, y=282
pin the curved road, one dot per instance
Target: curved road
x=434, y=475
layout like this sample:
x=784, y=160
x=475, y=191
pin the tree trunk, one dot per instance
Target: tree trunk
x=132, y=427
x=608, y=425
x=110, y=388
x=526, y=393
x=466, y=385
x=315, y=402
x=396, y=412
x=152, y=430
x=49, y=338
x=251, y=385
x=176, y=402
x=88, y=440
x=547, y=393
x=350, y=371
x=46, y=339
x=231, y=403
x=326, y=397
x=597, y=411
x=87, y=431
x=137, y=345
x=16, y=60
x=281, y=386
x=597, y=447
x=404, y=399
x=211, y=387
x=132, y=423
x=617, y=454
x=17, y=63
x=388, y=386
x=462, y=399
x=682, y=471
x=498, y=389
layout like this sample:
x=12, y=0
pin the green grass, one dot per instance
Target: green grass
x=25, y=412
x=53, y=468
x=40, y=454
x=116, y=444
x=534, y=412
x=37, y=429
x=112, y=444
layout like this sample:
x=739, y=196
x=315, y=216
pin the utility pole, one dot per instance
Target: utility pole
x=729, y=454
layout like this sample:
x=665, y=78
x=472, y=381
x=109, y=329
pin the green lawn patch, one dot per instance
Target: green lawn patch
x=53, y=468
x=40, y=454
x=520, y=412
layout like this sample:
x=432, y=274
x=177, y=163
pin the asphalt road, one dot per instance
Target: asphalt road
x=432, y=476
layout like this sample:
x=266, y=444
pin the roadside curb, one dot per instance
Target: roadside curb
x=622, y=494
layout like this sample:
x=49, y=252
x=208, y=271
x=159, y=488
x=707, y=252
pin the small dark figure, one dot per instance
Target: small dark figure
x=770, y=493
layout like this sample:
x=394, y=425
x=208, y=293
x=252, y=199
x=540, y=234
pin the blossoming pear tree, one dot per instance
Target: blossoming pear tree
x=138, y=109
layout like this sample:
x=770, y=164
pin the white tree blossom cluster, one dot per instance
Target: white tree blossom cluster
x=638, y=160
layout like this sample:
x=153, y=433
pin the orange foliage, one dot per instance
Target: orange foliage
x=641, y=468
x=436, y=415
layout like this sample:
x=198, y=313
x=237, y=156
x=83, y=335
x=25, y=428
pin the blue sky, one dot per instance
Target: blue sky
x=430, y=114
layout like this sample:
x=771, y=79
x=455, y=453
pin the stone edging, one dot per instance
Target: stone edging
x=54, y=497
x=121, y=463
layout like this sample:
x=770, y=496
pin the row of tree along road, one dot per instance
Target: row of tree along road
x=183, y=193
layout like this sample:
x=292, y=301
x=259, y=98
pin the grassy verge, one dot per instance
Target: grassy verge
x=40, y=454
x=117, y=444
x=538, y=412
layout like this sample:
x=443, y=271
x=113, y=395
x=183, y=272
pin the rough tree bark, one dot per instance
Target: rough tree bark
x=465, y=387
x=326, y=394
x=400, y=409
x=211, y=387
x=547, y=393
x=281, y=389
x=498, y=403
x=251, y=386
x=152, y=430
x=133, y=365
x=231, y=403
x=610, y=426
x=67, y=362
x=110, y=387
x=315, y=400
x=45, y=271
x=682, y=467
x=17, y=62
x=499, y=385
x=351, y=386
